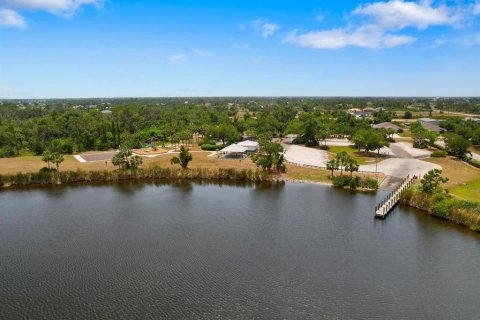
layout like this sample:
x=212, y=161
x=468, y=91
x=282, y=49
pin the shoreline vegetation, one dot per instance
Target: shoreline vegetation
x=52, y=177
x=441, y=205
x=444, y=206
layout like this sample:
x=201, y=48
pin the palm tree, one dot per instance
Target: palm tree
x=332, y=165
x=351, y=165
x=47, y=157
x=57, y=158
x=342, y=159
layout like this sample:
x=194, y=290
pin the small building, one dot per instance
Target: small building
x=234, y=151
x=387, y=125
x=252, y=146
x=363, y=114
x=106, y=111
x=429, y=120
x=432, y=127
x=477, y=120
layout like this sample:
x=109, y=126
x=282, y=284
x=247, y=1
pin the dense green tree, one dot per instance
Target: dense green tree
x=183, y=158
x=432, y=180
x=270, y=155
x=457, y=145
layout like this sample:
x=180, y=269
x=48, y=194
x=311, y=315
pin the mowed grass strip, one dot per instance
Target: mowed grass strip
x=469, y=191
x=359, y=157
x=464, y=179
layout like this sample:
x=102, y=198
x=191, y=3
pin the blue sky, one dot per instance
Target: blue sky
x=119, y=48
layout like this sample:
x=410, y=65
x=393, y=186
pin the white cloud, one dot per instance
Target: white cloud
x=202, y=53
x=58, y=7
x=9, y=18
x=340, y=38
x=320, y=17
x=177, y=58
x=375, y=25
x=269, y=29
x=399, y=14
x=266, y=29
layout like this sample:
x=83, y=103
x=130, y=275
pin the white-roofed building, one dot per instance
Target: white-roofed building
x=252, y=146
x=234, y=151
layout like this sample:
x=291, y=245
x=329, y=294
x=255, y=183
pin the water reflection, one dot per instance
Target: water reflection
x=215, y=250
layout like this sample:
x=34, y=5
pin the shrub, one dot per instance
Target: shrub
x=324, y=147
x=442, y=208
x=439, y=154
x=341, y=181
x=355, y=182
x=473, y=162
x=212, y=147
x=369, y=183
x=206, y=141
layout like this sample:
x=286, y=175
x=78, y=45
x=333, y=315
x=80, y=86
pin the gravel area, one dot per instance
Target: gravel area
x=401, y=167
x=306, y=156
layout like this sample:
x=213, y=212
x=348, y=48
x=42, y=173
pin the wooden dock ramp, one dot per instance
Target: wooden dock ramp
x=392, y=199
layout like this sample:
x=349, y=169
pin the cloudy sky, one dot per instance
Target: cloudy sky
x=119, y=48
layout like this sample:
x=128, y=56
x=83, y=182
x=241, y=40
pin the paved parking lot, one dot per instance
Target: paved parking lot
x=96, y=156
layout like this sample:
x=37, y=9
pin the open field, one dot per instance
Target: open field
x=361, y=158
x=469, y=191
x=200, y=160
x=464, y=178
x=319, y=175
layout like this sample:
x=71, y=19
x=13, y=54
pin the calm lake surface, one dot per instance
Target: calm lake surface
x=206, y=251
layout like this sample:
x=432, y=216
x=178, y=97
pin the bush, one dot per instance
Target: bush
x=473, y=162
x=212, y=147
x=311, y=143
x=442, y=208
x=355, y=182
x=369, y=183
x=206, y=141
x=341, y=181
x=324, y=147
x=439, y=154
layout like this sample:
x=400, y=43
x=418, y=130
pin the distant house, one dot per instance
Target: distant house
x=477, y=120
x=432, y=127
x=429, y=120
x=387, y=125
x=362, y=114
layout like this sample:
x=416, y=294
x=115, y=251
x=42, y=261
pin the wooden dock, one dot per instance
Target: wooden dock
x=384, y=207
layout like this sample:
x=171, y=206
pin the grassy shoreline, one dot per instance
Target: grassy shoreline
x=151, y=173
x=444, y=206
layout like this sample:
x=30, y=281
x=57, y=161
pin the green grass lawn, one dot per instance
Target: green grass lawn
x=469, y=191
x=360, y=158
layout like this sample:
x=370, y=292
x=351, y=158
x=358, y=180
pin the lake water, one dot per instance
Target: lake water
x=206, y=251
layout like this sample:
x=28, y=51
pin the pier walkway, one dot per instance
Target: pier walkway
x=384, y=207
